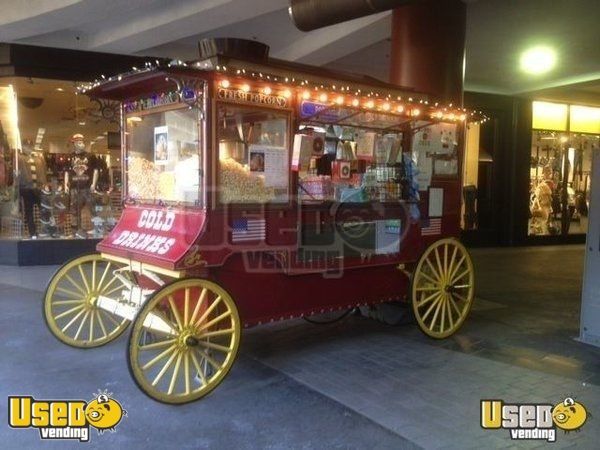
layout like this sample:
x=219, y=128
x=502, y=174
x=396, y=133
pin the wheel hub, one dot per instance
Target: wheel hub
x=187, y=339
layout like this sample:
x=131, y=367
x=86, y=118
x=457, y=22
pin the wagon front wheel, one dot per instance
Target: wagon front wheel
x=184, y=341
x=72, y=302
x=443, y=288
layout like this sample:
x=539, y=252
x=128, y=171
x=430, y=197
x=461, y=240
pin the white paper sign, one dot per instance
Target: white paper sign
x=438, y=139
x=436, y=202
x=271, y=162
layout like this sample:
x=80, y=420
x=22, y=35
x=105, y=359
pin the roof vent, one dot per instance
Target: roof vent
x=233, y=48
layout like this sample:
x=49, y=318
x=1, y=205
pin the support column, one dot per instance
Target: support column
x=428, y=48
x=589, y=331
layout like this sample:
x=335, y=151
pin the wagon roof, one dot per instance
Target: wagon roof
x=151, y=78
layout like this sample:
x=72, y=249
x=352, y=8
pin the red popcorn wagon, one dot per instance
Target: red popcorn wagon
x=259, y=190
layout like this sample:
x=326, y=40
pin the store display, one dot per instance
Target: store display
x=31, y=173
x=559, y=187
x=44, y=181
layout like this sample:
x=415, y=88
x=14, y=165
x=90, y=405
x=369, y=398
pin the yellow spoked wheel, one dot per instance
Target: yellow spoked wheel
x=443, y=288
x=184, y=341
x=71, y=302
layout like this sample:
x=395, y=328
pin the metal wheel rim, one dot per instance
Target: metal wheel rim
x=165, y=365
x=443, y=288
x=70, y=308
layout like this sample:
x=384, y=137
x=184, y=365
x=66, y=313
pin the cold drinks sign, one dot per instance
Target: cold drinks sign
x=162, y=233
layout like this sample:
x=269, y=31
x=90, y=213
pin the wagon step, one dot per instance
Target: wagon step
x=129, y=311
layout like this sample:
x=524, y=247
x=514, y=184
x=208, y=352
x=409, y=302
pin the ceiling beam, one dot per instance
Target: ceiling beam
x=24, y=20
x=177, y=20
x=322, y=46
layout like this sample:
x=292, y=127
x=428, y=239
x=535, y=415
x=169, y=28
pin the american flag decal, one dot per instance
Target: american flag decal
x=248, y=230
x=431, y=227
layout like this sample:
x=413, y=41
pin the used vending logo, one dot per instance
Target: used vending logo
x=533, y=421
x=65, y=419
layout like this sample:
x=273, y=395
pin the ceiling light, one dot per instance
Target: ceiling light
x=538, y=60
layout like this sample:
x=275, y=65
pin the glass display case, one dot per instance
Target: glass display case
x=163, y=158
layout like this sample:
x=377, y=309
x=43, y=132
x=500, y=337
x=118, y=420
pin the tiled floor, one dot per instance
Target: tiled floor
x=356, y=383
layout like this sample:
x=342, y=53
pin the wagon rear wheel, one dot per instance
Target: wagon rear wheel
x=443, y=288
x=184, y=341
x=71, y=308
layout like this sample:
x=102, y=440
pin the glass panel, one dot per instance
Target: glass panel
x=585, y=119
x=39, y=119
x=560, y=183
x=550, y=116
x=163, y=158
x=253, y=155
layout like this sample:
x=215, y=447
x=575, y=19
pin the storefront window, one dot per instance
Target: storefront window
x=59, y=161
x=561, y=166
x=253, y=155
x=163, y=161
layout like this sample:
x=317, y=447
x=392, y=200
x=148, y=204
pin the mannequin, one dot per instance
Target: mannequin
x=78, y=182
x=31, y=172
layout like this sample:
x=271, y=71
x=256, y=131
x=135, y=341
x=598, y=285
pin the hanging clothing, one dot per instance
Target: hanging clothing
x=32, y=171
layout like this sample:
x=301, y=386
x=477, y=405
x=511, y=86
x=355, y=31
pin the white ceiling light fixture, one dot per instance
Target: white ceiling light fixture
x=538, y=60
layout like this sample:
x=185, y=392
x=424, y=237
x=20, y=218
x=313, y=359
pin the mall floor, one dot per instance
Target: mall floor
x=355, y=384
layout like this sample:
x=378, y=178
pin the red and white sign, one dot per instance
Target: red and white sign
x=154, y=233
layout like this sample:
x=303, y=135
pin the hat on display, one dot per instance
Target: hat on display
x=77, y=137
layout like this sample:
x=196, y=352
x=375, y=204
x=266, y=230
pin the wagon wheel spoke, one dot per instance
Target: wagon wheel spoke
x=450, y=318
x=437, y=311
x=157, y=358
x=175, y=373
x=164, y=369
x=85, y=316
x=75, y=284
x=103, y=277
x=73, y=320
x=175, y=312
x=70, y=311
x=186, y=372
x=101, y=323
x=199, y=369
x=434, y=271
x=83, y=278
x=217, y=347
x=73, y=294
x=431, y=280
x=67, y=302
x=428, y=299
x=91, y=335
x=439, y=264
x=433, y=305
x=210, y=309
x=159, y=344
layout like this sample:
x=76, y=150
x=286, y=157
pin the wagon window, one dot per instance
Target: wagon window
x=163, y=157
x=253, y=154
